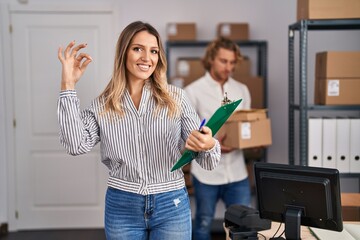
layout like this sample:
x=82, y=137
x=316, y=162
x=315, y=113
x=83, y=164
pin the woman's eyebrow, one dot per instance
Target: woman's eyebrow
x=141, y=45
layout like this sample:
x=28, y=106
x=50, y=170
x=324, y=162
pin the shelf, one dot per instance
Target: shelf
x=326, y=107
x=338, y=24
x=350, y=175
x=204, y=43
x=302, y=105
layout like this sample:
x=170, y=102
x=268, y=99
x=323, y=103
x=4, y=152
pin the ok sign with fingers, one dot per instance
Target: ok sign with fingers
x=73, y=66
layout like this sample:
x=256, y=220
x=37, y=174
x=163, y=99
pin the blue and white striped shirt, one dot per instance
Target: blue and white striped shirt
x=139, y=148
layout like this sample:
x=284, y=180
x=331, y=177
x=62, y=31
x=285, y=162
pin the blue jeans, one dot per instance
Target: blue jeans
x=207, y=197
x=160, y=216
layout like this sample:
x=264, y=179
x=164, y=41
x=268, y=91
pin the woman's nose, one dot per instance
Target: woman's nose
x=145, y=56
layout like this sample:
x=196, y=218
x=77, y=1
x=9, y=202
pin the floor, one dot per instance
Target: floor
x=88, y=234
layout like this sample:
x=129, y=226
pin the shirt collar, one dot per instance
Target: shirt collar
x=212, y=82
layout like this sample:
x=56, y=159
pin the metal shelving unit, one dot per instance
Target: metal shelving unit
x=261, y=50
x=303, y=107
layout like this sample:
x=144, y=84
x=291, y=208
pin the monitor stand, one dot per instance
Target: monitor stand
x=293, y=223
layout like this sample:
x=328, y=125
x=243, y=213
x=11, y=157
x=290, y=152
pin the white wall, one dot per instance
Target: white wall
x=268, y=21
x=3, y=166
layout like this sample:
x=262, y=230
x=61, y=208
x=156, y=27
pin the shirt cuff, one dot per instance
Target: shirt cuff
x=217, y=144
x=67, y=93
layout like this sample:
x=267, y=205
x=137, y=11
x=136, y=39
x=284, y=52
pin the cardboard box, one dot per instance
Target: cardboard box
x=341, y=91
x=328, y=9
x=350, y=203
x=188, y=70
x=181, y=31
x=242, y=69
x=256, y=88
x=350, y=199
x=337, y=64
x=351, y=213
x=233, y=31
x=247, y=129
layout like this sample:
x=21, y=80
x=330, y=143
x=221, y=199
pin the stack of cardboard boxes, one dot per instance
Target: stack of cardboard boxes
x=337, y=78
x=255, y=84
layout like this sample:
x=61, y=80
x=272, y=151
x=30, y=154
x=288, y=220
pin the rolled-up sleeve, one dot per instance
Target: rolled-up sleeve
x=79, y=130
x=207, y=159
x=210, y=159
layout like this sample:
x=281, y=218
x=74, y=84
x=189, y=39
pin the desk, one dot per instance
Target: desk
x=351, y=232
x=305, y=232
x=326, y=235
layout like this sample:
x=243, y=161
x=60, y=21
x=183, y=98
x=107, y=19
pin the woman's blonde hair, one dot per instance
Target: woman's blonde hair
x=213, y=48
x=114, y=91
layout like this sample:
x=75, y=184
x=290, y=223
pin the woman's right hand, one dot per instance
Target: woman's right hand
x=73, y=66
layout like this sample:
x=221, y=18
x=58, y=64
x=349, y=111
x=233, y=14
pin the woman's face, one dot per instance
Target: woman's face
x=142, y=56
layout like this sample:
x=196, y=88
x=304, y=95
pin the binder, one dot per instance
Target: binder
x=343, y=145
x=315, y=142
x=355, y=145
x=215, y=122
x=329, y=143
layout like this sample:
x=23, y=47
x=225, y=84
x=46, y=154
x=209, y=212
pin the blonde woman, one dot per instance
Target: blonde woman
x=141, y=123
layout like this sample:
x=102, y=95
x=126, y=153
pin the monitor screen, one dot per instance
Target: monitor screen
x=299, y=195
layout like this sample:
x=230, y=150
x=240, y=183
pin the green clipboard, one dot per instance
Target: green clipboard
x=215, y=122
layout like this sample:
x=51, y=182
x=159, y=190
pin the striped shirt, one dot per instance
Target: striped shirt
x=139, y=148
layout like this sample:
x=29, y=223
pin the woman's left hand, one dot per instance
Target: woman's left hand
x=199, y=141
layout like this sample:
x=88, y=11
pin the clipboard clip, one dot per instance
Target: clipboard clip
x=225, y=100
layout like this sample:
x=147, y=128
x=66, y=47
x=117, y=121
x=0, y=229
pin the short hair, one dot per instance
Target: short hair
x=213, y=48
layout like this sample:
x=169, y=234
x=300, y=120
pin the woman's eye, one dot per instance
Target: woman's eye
x=137, y=49
x=154, y=51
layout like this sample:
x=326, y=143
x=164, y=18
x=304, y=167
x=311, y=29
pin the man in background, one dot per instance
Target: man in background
x=229, y=181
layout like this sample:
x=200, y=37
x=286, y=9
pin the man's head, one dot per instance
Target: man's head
x=220, y=58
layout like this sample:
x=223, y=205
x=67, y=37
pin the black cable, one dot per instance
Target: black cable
x=262, y=235
x=278, y=237
x=277, y=230
x=281, y=234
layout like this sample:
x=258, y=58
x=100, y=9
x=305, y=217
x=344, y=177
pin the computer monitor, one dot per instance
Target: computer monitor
x=299, y=195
